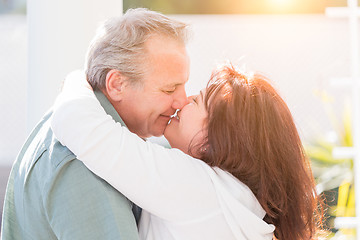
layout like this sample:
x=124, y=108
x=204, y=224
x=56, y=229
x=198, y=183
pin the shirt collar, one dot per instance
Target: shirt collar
x=108, y=107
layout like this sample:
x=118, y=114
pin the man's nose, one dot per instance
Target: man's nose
x=180, y=99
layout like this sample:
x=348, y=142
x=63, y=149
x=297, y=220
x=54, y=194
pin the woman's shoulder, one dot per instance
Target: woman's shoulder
x=233, y=188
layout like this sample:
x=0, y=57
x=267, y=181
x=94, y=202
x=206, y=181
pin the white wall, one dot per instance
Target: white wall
x=299, y=53
x=36, y=54
x=13, y=90
x=59, y=33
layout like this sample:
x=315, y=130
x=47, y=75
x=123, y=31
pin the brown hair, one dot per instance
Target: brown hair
x=252, y=135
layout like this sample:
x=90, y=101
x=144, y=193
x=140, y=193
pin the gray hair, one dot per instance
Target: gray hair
x=119, y=44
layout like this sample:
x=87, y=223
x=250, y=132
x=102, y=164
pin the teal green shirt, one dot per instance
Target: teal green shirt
x=52, y=195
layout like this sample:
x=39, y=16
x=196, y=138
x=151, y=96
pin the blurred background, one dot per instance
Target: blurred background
x=293, y=42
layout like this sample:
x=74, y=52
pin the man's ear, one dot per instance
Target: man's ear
x=115, y=84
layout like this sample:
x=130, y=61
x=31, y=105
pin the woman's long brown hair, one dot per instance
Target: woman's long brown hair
x=252, y=135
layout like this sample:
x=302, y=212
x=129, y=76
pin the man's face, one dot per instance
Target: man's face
x=146, y=109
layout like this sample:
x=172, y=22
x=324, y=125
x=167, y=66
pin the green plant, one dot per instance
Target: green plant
x=334, y=177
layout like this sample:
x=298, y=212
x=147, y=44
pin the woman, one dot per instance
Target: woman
x=248, y=177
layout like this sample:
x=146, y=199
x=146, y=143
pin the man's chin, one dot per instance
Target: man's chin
x=157, y=135
x=158, y=132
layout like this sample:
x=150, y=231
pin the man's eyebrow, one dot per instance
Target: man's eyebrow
x=172, y=85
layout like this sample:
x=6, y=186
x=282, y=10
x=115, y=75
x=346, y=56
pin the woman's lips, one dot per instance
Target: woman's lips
x=174, y=117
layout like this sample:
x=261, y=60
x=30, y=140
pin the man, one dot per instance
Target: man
x=138, y=66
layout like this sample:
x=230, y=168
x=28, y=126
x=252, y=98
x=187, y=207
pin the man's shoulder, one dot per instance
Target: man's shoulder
x=42, y=153
x=48, y=185
x=45, y=165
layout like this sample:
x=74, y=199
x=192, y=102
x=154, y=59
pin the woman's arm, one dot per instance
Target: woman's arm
x=165, y=182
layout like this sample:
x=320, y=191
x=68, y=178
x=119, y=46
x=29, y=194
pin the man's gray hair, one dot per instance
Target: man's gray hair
x=119, y=44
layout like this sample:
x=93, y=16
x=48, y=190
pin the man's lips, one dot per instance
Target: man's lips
x=165, y=116
x=175, y=116
x=171, y=117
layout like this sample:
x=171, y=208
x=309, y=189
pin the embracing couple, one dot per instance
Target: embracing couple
x=236, y=168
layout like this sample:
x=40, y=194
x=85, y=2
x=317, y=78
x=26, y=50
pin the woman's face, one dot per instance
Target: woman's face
x=190, y=124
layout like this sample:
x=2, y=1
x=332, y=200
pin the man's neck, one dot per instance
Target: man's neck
x=108, y=106
x=103, y=97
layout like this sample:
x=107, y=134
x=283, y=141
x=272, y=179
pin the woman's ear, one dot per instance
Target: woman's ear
x=115, y=84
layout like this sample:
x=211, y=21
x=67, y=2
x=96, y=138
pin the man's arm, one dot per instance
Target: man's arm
x=80, y=205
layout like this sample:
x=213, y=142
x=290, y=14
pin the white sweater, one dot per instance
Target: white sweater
x=182, y=197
